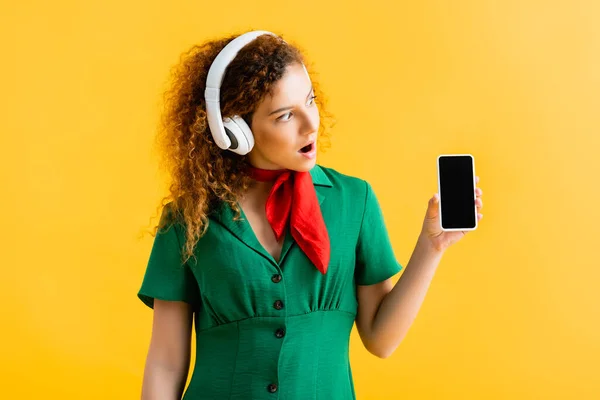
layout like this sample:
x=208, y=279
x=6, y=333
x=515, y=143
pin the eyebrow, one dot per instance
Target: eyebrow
x=289, y=108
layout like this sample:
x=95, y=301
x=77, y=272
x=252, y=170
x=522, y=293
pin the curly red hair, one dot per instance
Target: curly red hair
x=202, y=175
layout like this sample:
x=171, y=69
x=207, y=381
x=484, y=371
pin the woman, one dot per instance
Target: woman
x=273, y=256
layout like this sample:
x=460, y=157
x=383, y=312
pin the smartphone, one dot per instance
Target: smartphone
x=456, y=187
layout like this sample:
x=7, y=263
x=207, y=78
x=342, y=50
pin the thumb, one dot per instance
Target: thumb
x=433, y=206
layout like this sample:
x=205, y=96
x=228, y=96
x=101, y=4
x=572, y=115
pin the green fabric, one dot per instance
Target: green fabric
x=238, y=353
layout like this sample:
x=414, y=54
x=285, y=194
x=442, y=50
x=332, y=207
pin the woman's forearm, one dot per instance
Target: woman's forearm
x=400, y=306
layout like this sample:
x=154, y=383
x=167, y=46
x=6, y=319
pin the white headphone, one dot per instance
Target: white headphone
x=233, y=133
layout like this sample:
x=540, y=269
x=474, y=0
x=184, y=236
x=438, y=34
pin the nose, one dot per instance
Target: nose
x=310, y=123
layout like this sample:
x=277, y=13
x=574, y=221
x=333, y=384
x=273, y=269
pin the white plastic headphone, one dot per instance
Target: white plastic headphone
x=233, y=133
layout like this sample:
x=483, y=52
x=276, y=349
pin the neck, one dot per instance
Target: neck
x=258, y=192
x=261, y=184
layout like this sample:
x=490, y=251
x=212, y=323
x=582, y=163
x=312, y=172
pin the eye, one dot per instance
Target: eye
x=311, y=101
x=282, y=117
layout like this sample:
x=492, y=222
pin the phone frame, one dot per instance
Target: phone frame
x=440, y=192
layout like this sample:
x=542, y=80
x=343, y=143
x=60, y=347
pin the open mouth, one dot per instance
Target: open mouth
x=308, y=148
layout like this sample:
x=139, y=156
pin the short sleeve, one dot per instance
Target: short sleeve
x=375, y=259
x=166, y=278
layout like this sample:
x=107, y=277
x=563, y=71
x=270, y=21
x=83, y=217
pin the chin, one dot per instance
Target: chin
x=305, y=165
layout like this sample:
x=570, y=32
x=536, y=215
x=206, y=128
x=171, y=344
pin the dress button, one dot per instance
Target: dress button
x=279, y=333
x=278, y=305
x=272, y=388
x=276, y=278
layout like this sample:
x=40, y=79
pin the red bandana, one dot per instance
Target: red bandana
x=293, y=193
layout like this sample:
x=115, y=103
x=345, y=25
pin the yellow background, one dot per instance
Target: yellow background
x=513, y=311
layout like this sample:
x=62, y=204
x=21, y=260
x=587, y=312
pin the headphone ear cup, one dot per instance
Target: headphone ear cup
x=245, y=130
x=230, y=132
x=239, y=133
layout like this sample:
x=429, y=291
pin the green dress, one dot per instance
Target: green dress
x=275, y=330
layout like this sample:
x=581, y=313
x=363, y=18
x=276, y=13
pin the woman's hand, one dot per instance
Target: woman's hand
x=432, y=231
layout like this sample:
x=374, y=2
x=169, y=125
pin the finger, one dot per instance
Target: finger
x=478, y=191
x=476, y=179
x=432, y=209
x=479, y=202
